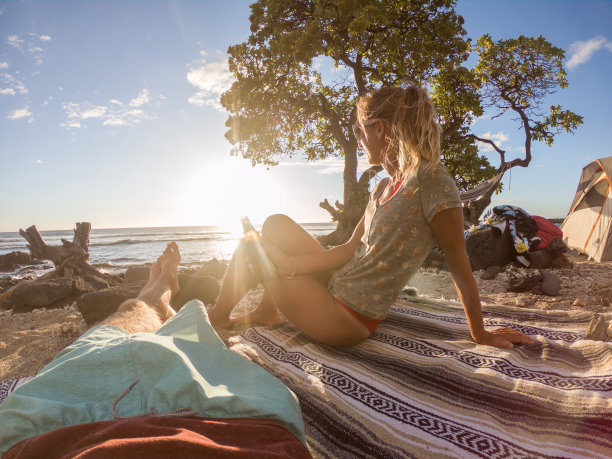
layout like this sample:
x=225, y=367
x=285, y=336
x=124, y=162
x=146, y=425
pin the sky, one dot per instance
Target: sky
x=109, y=113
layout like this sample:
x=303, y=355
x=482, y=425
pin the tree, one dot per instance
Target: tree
x=280, y=105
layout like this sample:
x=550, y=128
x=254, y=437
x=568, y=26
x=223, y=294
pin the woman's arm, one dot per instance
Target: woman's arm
x=447, y=225
x=330, y=259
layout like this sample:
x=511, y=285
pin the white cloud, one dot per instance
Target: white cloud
x=581, y=51
x=141, y=99
x=44, y=38
x=71, y=124
x=13, y=85
x=7, y=92
x=4, y=65
x=116, y=113
x=19, y=114
x=14, y=41
x=210, y=80
x=39, y=161
x=499, y=138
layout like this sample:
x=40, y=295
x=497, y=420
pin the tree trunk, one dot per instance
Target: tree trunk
x=347, y=215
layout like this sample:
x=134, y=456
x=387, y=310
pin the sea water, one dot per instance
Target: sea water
x=113, y=250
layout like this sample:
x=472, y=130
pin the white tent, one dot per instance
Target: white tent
x=588, y=225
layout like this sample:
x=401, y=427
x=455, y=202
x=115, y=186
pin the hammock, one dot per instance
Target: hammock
x=482, y=188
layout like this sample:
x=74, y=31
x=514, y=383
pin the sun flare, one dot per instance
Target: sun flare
x=226, y=190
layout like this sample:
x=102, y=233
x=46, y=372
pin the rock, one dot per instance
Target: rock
x=540, y=259
x=14, y=260
x=609, y=330
x=604, y=302
x=90, y=283
x=523, y=302
x=203, y=288
x=523, y=283
x=597, y=329
x=136, y=274
x=213, y=268
x=491, y=272
x=98, y=305
x=551, y=284
x=579, y=303
x=41, y=292
x=489, y=247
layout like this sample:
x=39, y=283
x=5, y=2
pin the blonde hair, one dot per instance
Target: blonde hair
x=414, y=135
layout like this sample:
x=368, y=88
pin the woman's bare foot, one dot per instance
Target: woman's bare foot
x=261, y=316
x=157, y=295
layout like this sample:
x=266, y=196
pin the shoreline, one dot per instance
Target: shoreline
x=30, y=340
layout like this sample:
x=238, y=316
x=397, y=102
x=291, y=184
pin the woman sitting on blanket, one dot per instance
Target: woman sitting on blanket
x=338, y=296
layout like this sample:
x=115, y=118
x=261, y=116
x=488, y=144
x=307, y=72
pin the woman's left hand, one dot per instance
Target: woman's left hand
x=503, y=337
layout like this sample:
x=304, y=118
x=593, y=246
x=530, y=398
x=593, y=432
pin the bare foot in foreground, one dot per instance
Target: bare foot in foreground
x=154, y=273
x=157, y=294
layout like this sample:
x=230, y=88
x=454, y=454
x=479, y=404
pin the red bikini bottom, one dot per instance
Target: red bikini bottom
x=367, y=321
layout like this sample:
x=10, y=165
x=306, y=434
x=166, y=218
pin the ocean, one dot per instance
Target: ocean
x=113, y=250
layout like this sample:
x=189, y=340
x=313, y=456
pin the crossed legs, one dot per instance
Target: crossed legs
x=151, y=308
x=305, y=300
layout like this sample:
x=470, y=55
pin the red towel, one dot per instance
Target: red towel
x=547, y=231
x=160, y=437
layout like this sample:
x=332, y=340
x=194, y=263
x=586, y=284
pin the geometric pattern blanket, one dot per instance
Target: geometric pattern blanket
x=420, y=387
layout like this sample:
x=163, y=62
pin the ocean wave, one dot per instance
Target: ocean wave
x=150, y=241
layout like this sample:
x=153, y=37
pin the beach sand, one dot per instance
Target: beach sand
x=30, y=340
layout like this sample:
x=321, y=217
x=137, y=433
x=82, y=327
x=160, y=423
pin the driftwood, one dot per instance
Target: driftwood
x=71, y=263
x=70, y=258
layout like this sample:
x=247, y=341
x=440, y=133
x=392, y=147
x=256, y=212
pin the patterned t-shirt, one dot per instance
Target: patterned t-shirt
x=396, y=240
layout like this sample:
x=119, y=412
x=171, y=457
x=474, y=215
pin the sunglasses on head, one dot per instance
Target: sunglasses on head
x=358, y=127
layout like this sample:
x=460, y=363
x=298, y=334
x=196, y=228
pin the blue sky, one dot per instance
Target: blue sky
x=109, y=113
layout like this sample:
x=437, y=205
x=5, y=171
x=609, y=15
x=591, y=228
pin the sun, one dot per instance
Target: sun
x=226, y=190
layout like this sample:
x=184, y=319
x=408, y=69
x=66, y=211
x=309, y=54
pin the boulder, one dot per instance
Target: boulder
x=491, y=272
x=518, y=283
x=551, y=284
x=90, y=283
x=41, y=292
x=203, y=288
x=213, y=268
x=136, y=274
x=14, y=260
x=489, y=247
x=95, y=306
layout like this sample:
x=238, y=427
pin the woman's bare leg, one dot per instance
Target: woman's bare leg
x=152, y=307
x=292, y=239
x=238, y=280
x=311, y=308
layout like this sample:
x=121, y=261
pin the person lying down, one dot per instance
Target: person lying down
x=149, y=381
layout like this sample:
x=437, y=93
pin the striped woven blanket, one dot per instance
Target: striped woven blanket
x=420, y=387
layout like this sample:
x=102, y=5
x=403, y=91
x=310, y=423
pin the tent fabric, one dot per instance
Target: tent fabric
x=588, y=225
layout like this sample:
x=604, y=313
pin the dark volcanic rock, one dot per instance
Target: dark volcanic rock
x=95, y=306
x=203, y=288
x=491, y=272
x=551, y=284
x=91, y=283
x=489, y=247
x=213, y=268
x=41, y=293
x=136, y=274
x=14, y=260
x=523, y=284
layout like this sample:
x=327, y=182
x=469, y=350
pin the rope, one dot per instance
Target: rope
x=180, y=413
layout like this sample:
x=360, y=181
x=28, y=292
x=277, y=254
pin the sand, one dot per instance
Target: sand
x=28, y=341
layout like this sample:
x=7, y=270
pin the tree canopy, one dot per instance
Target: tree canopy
x=282, y=105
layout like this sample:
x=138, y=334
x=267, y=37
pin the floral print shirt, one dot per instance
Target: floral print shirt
x=396, y=241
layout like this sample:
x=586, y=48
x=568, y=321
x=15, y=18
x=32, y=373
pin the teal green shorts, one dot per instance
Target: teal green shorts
x=184, y=364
